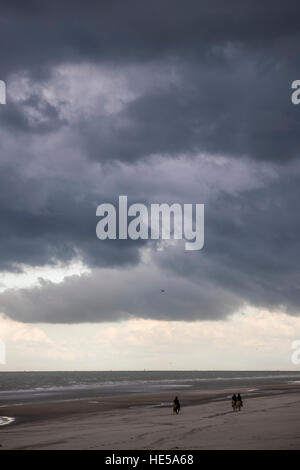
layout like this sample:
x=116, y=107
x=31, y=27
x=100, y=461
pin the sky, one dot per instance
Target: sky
x=166, y=103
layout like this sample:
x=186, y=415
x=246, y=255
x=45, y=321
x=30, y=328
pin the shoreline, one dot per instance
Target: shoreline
x=29, y=412
x=269, y=420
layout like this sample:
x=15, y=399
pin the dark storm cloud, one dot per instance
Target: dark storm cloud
x=243, y=110
x=250, y=258
x=209, y=78
x=236, y=62
x=252, y=247
x=48, y=221
x=118, y=295
x=41, y=33
x=16, y=117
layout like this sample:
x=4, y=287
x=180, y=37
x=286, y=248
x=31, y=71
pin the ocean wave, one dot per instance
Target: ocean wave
x=166, y=382
x=43, y=386
x=5, y=420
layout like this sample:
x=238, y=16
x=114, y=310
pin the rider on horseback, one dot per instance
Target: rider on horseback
x=237, y=402
x=176, y=405
x=233, y=401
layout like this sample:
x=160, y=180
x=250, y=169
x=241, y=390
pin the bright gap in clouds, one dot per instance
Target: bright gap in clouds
x=250, y=340
x=30, y=277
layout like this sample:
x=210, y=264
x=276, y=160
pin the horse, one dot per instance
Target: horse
x=239, y=404
x=176, y=408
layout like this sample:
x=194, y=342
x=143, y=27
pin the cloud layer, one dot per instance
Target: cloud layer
x=164, y=105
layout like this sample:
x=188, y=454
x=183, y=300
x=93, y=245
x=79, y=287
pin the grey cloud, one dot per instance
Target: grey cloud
x=252, y=247
x=233, y=64
x=46, y=221
x=250, y=258
x=236, y=66
x=41, y=33
x=50, y=217
x=118, y=295
x=33, y=115
x=239, y=108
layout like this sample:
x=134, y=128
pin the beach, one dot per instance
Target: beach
x=270, y=419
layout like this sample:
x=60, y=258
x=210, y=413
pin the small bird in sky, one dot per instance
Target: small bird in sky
x=162, y=290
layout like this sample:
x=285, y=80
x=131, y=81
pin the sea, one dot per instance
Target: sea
x=18, y=388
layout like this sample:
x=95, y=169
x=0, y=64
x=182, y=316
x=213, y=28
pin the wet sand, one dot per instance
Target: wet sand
x=270, y=419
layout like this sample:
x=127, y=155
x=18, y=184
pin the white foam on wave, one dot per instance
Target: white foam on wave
x=4, y=420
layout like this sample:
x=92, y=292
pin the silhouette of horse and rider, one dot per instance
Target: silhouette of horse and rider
x=237, y=402
x=176, y=405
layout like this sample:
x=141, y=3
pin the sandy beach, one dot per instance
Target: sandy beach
x=270, y=419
